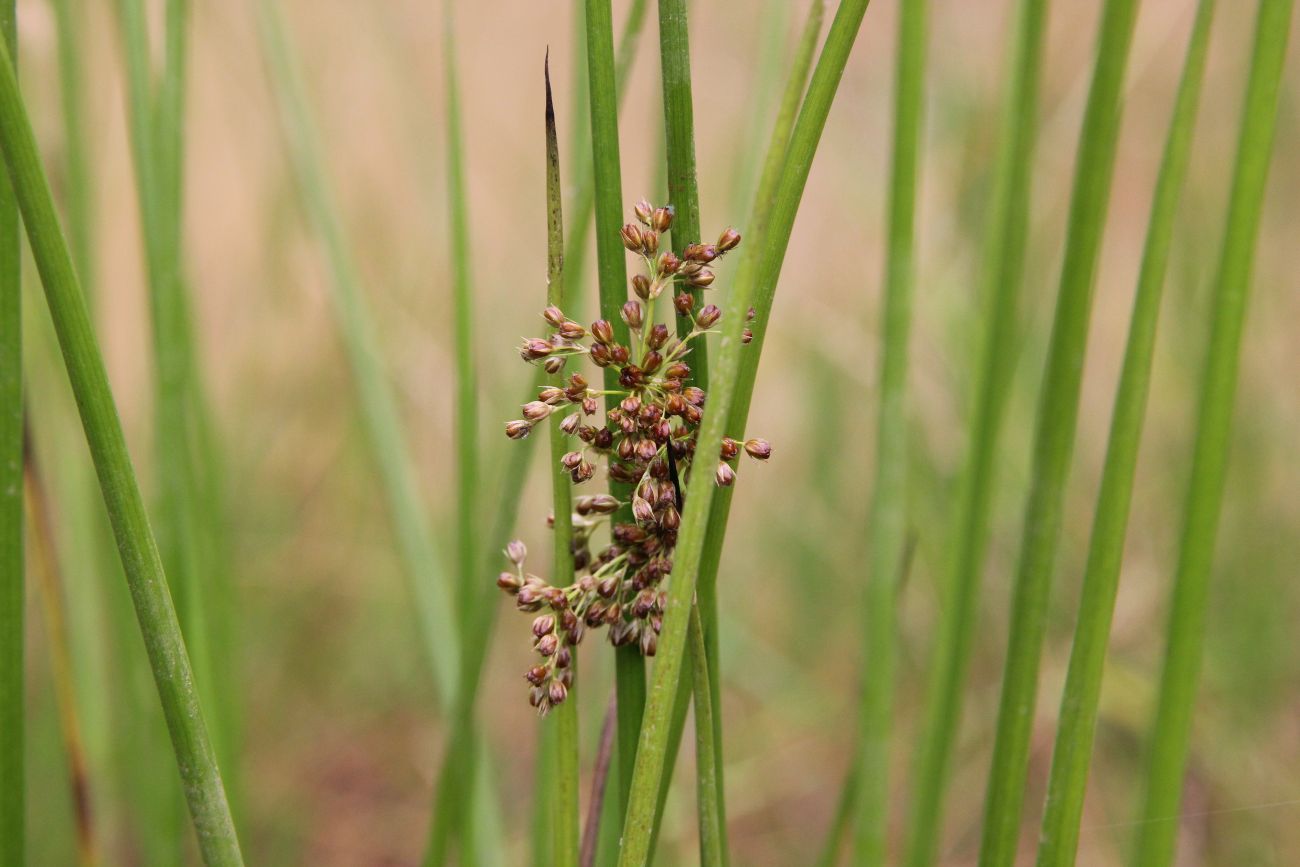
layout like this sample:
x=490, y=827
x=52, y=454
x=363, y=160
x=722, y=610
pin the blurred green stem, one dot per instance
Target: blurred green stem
x=887, y=531
x=173, y=675
x=12, y=605
x=1068, y=782
x=1000, y=278
x=1170, y=737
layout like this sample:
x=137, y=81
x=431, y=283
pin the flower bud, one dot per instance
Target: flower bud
x=750, y=314
x=671, y=518
x=570, y=423
x=641, y=286
x=563, y=657
x=702, y=278
x=632, y=314
x=604, y=504
x=676, y=370
x=548, y=644
x=554, y=316
x=650, y=243
x=685, y=303
x=746, y=336
x=537, y=698
x=600, y=355
x=642, y=510
x=619, y=353
x=536, y=675
x=571, y=330
x=730, y=448
x=643, y=210
x=544, y=625
x=551, y=395
x=758, y=449
x=694, y=395
x=516, y=552
x=589, y=405
x=632, y=237
x=708, y=316
x=652, y=361
x=570, y=460
x=725, y=476
x=557, y=693
x=662, y=219
x=519, y=429
x=583, y=472
x=728, y=240
x=607, y=587
x=535, y=348
x=668, y=264
x=536, y=410
x=649, y=642
x=693, y=253
x=554, y=364
x=509, y=582
x=658, y=336
x=630, y=405
x=602, y=331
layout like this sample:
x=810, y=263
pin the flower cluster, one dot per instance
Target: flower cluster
x=646, y=438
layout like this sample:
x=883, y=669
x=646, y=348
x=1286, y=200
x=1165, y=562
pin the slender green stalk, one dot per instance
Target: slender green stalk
x=713, y=838
x=844, y=809
x=1058, y=410
x=467, y=482
x=649, y=768
x=679, y=136
x=51, y=588
x=774, y=162
x=12, y=632
x=1000, y=281
x=1074, y=734
x=430, y=586
x=173, y=675
x=612, y=281
x=1171, y=734
x=565, y=794
x=575, y=248
x=80, y=204
x=887, y=531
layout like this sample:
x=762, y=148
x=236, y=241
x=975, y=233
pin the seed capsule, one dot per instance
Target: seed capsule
x=554, y=364
x=643, y=210
x=544, y=625
x=548, y=644
x=758, y=449
x=662, y=219
x=725, y=476
x=519, y=429
x=728, y=240
x=632, y=314
x=551, y=395
x=516, y=552
x=701, y=278
x=642, y=510
x=685, y=303
x=668, y=264
x=632, y=237
x=536, y=675
x=708, y=316
x=571, y=330
x=570, y=423
x=509, y=582
x=641, y=286
x=658, y=336
x=554, y=316
x=649, y=642
x=602, y=331
x=536, y=410
x=557, y=693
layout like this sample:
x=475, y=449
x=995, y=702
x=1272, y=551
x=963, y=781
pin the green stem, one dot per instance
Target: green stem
x=1000, y=282
x=713, y=838
x=1074, y=734
x=565, y=833
x=173, y=675
x=1058, y=411
x=612, y=271
x=12, y=595
x=844, y=809
x=649, y=767
x=80, y=204
x=430, y=586
x=746, y=274
x=887, y=531
x=1172, y=730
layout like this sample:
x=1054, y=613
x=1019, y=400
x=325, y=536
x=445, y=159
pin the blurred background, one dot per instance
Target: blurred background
x=340, y=732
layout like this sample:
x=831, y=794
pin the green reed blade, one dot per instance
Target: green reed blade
x=1074, y=734
x=649, y=768
x=173, y=675
x=1171, y=734
x=887, y=530
x=1058, y=410
x=1000, y=281
x=12, y=566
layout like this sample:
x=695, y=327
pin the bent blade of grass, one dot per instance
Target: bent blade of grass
x=173, y=675
x=887, y=530
x=1171, y=733
x=1072, y=753
x=649, y=767
x=773, y=163
x=713, y=837
x=565, y=794
x=430, y=586
x=629, y=666
x=12, y=580
x=1000, y=281
x=1058, y=411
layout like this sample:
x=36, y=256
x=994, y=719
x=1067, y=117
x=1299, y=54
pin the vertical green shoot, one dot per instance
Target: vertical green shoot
x=651, y=751
x=1169, y=743
x=1000, y=279
x=887, y=530
x=1058, y=410
x=1074, y=734
x=12, y=633
x=173, y=675
x=430, y=588
x=612, y=279
x=565, y=793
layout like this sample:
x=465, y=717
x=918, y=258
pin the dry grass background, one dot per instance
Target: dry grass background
x=341, y=736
